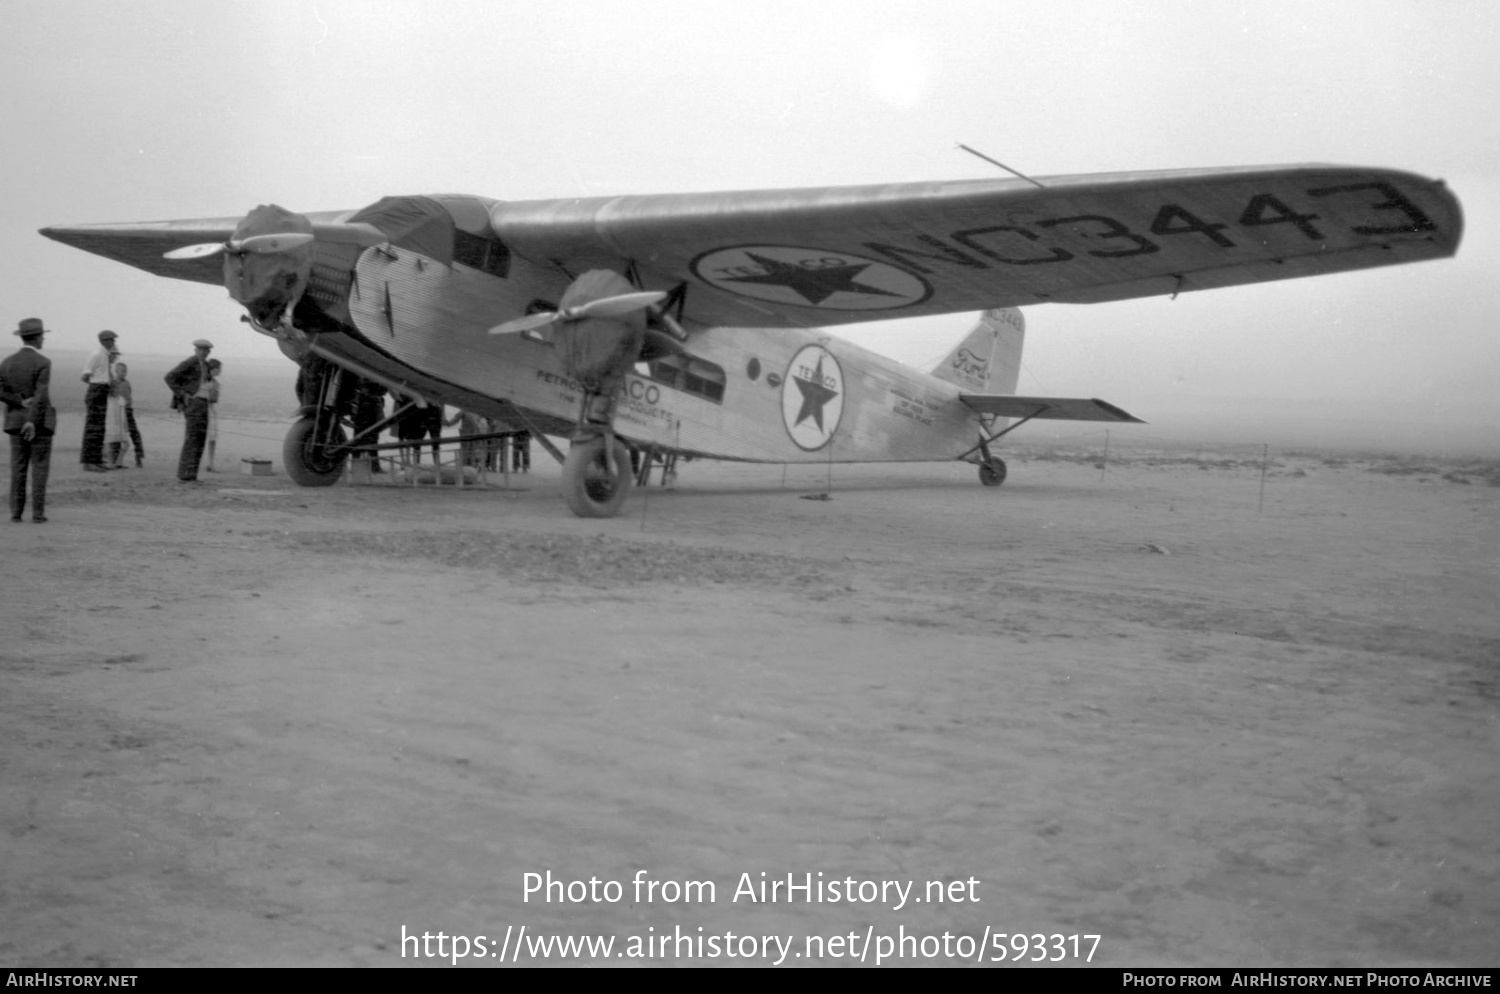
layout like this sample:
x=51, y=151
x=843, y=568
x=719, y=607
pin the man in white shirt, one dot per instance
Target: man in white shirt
x=96, y=403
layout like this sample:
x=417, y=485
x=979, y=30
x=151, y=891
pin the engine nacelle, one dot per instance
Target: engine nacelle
x=269, y=284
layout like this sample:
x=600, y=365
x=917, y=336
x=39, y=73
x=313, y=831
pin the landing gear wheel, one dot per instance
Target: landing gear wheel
x=309, y=461
x=992, y=473
x=588, y=486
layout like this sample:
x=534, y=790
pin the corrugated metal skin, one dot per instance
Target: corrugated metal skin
x=439, y=318
x=749, y=424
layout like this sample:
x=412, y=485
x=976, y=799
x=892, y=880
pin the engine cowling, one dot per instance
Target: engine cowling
x=269, y=284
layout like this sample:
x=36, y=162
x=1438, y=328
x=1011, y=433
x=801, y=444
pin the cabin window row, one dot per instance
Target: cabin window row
x=689, y=374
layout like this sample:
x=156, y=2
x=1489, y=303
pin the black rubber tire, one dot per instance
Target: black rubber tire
x=588, y=487
x=308, y=463
x=992, y=473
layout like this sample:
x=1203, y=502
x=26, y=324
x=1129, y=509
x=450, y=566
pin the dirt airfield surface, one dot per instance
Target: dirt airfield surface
x=252, y=724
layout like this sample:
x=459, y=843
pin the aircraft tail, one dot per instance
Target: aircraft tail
x=989, y=359
x=986, y=366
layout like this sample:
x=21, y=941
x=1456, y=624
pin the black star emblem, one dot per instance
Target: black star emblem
x=815, y=396
x=813, y=285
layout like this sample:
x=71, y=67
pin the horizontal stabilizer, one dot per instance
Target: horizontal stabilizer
x=1051, y=408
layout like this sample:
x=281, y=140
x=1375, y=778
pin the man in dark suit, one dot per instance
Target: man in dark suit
x=190, y=386
x=30, y=419
x=369, y=411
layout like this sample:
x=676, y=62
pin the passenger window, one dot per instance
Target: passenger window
x=690, y=375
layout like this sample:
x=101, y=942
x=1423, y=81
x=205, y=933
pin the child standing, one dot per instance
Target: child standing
x=121, y=400
x=214, y=366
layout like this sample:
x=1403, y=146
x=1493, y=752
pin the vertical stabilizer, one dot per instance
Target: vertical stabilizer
x=989, y=359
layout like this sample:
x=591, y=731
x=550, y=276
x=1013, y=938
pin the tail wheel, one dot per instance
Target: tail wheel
x=311, y=461
x=590, y=489
x=992, y=473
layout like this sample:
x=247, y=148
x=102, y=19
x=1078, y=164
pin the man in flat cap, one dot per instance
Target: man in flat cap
x=191, y=388
x=29, y=419
x=96, y=403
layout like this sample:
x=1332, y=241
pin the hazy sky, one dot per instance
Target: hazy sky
x=152, y=110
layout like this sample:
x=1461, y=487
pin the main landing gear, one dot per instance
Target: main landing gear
x=599, y=332
x=314, y=451
x=596, y=476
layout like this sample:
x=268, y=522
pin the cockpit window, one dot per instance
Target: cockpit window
x=485, y=254
x=417, y=223
x=424, y=225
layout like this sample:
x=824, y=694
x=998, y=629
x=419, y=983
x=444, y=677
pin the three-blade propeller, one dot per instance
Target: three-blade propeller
x=605, y=307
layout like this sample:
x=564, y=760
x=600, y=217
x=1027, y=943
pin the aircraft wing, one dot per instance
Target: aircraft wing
x=143, y=243
x=1047, y=408
x=829, y=256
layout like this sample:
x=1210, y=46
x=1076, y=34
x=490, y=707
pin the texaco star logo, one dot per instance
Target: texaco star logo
x=810, y=277
x=812, y=397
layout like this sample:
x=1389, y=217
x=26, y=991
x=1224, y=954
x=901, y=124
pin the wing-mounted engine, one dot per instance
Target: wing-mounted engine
x=601, y=328
x=270, y=282
x=268, y=259
x=604, y=326
x=602, y=341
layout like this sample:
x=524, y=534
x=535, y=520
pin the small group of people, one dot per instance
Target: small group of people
x=489, y=453
x=109, y=428
x=418, y=424
x=415, y=423
x=110, y=432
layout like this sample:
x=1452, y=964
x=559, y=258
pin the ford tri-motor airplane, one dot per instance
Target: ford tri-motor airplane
x=686, y=325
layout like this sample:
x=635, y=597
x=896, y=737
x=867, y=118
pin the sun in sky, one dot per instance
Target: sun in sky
x=900, y=71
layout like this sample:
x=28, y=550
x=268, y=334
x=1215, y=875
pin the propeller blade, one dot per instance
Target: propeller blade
x=265, y=244
x=605, y=307
x=198, y=251
x=259, y=244
x=526, y=323
x=349, y=233
x=613, y=307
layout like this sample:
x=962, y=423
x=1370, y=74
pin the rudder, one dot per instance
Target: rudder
x=988, y=360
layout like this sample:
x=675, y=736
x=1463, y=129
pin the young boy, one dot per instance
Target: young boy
x=120, y=395
x=214, y=366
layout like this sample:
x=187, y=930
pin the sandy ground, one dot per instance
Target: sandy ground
x=250, y=724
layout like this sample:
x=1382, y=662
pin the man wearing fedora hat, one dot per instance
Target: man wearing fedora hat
x=96, y=403
x=30, y=419
x=191, y=387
